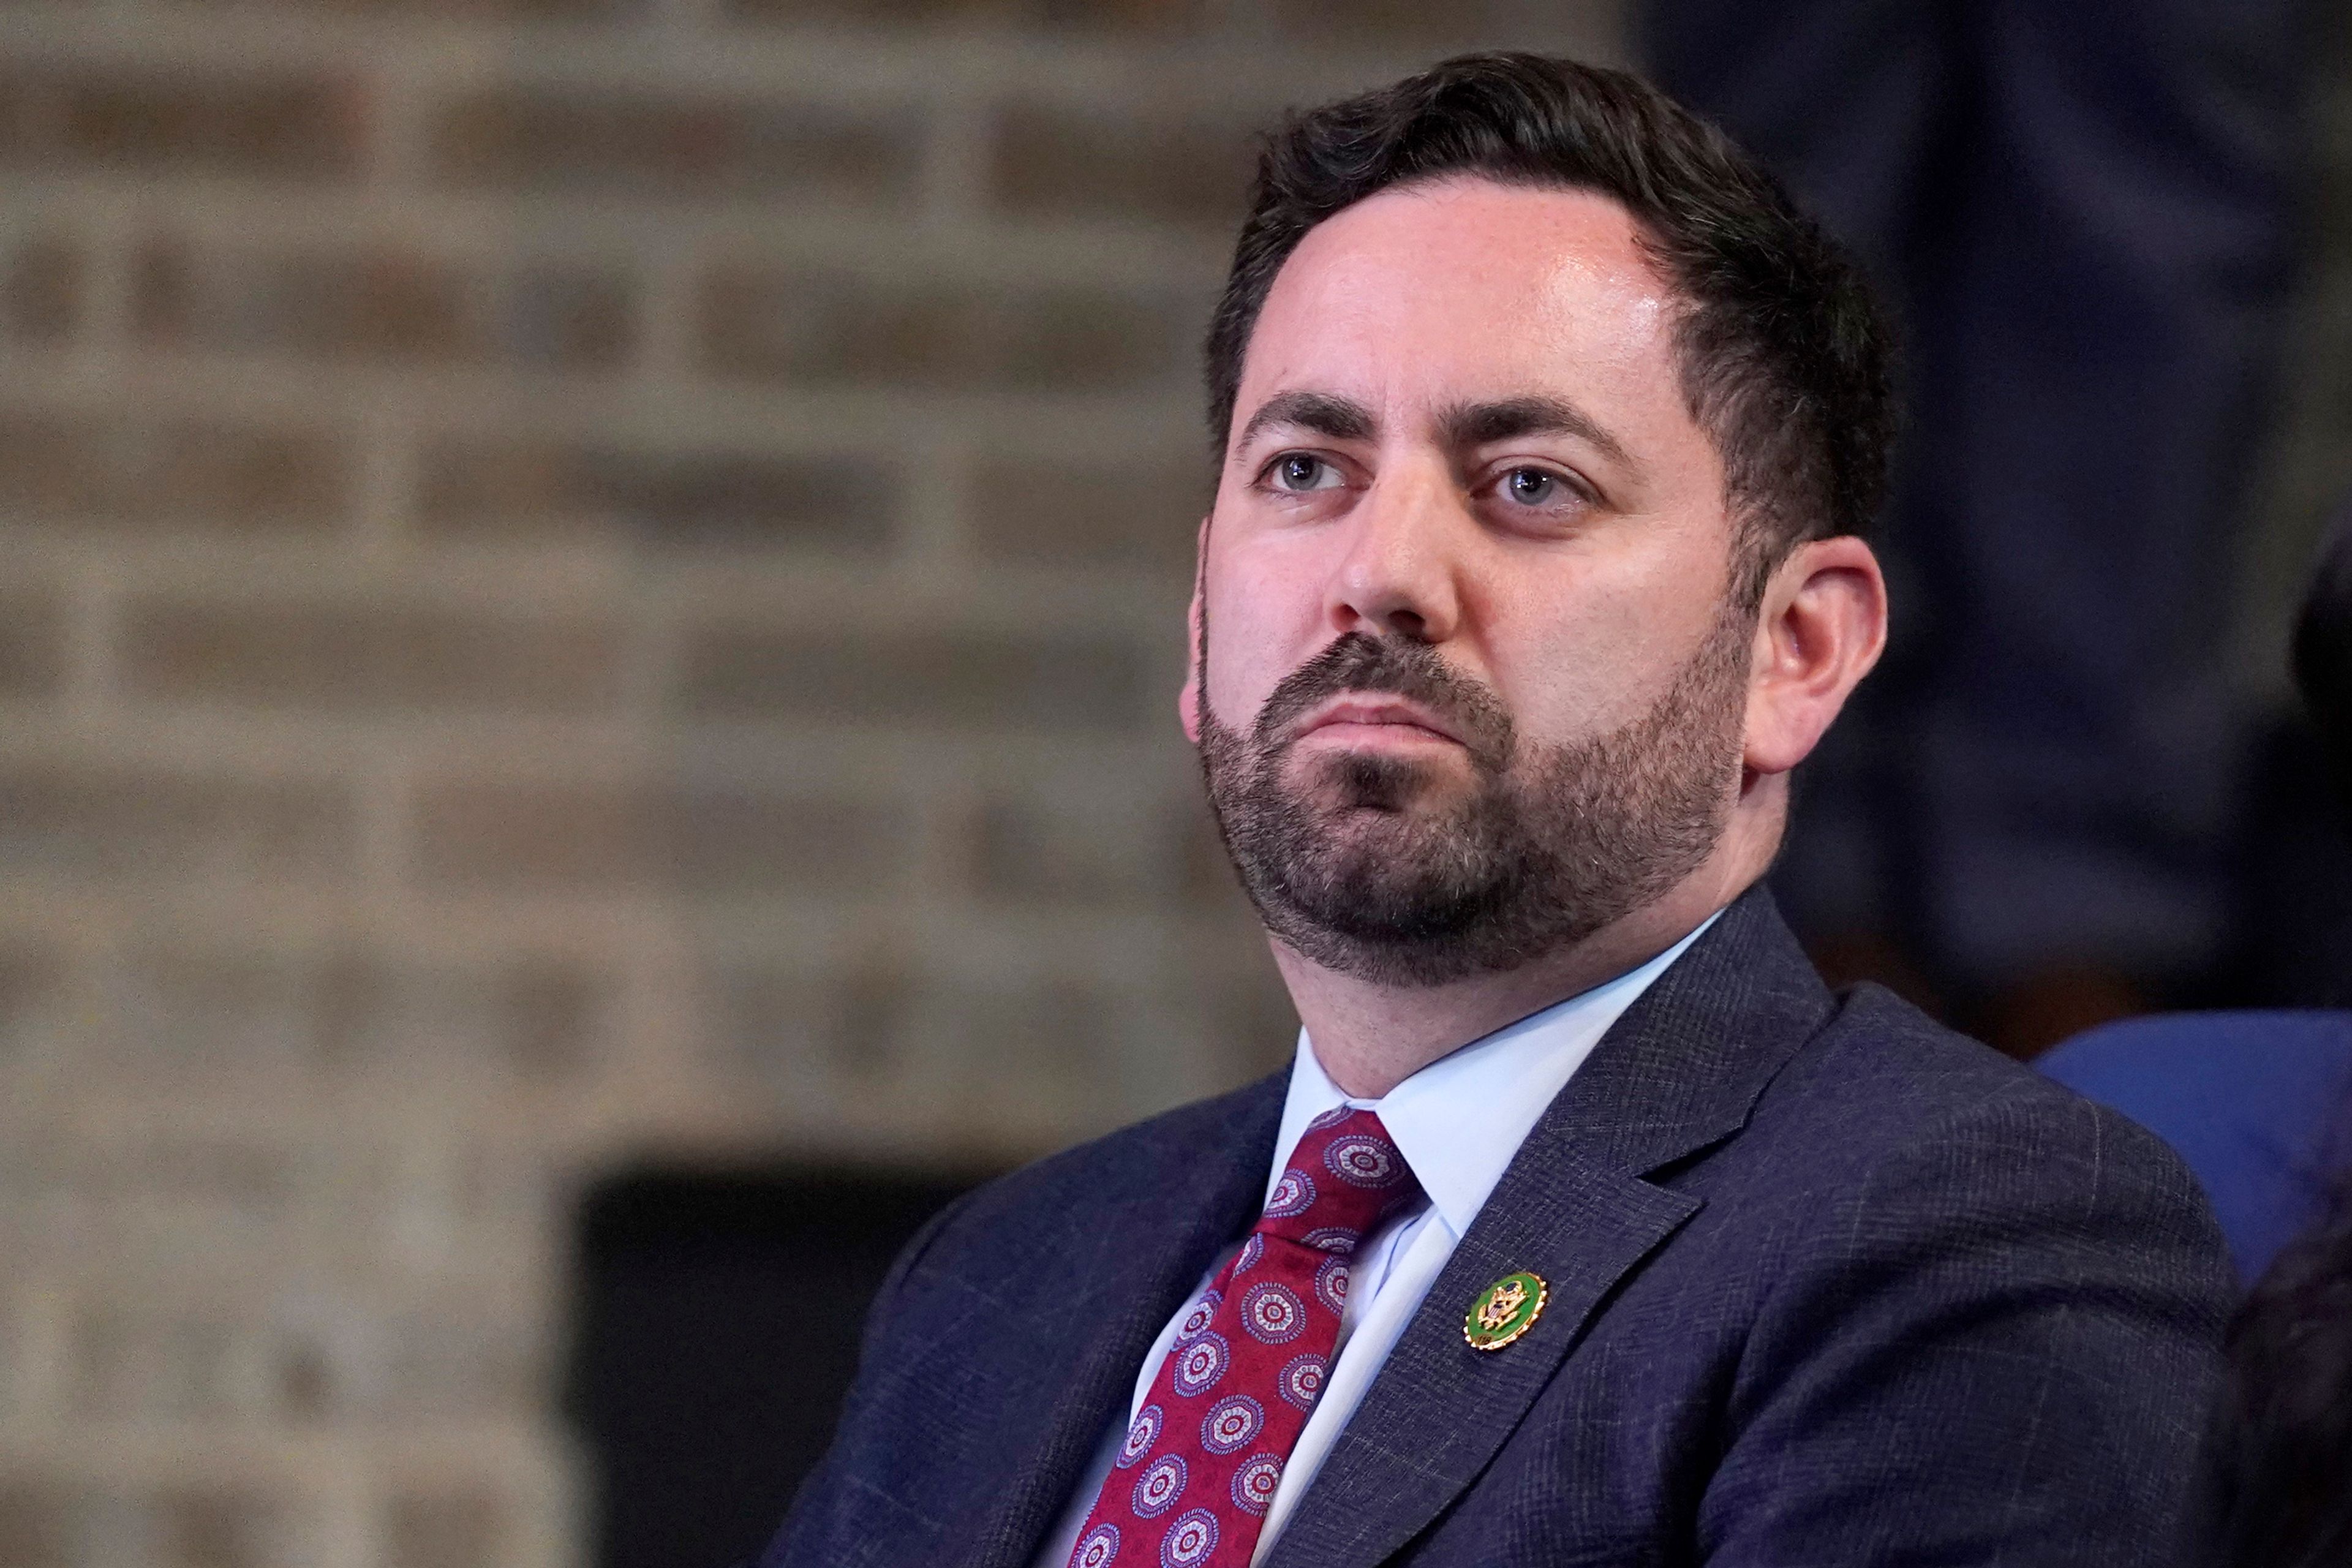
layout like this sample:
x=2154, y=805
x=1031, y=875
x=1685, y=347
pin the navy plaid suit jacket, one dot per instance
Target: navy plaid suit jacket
x=1830, y=1284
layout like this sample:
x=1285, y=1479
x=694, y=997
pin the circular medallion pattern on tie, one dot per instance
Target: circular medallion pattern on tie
x=1333, y=1238
x=1097, y=1548
x=1272, y=1313
x=1362, y=1160
x=1252, y=1250
x=1200, y=1364
x=1231, y=1423
x=1291, y=1195
x=1156, y=1490
x=1301, y=1383
x=1255, y=1482
x=1142, y=1434
x=1196, y=1321
x=1331, y=1118
x=1332, y=1284
x=1190, y=1539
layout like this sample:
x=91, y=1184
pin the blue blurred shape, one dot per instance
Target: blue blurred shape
x=2258, y=1103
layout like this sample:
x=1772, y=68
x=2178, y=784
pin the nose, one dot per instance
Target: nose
x=1399, y=575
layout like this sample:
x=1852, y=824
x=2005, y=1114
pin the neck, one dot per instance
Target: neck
x=1370, y=1037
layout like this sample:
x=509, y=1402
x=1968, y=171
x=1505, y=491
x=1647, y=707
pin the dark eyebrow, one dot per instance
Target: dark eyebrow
x=1482, y=424
x=1335, y=419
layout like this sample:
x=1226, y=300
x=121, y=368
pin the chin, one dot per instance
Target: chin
x=1350, y=785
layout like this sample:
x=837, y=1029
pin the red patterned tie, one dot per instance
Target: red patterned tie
x=1202, y=1461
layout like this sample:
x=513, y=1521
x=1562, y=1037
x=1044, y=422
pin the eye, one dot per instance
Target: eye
x=1299, y=471
x=1537, y=495
x=1532, y=487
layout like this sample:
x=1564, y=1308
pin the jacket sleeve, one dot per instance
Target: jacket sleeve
x=1997, y=1345
x=820, y=1488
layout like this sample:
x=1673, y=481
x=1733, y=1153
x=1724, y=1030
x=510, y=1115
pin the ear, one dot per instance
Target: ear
x=1820, y=629
x=1188, y=696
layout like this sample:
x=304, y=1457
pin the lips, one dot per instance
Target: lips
x=1375, y=711
x=1369, y=683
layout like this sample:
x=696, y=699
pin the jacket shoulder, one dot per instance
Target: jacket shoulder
x=1896, y=1153
x=1915, y=1223
x=1885, y=1077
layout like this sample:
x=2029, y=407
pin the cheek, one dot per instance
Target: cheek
x=1600, y=666
x=1262, y=603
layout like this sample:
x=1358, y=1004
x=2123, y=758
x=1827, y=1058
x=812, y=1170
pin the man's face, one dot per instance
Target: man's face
x=1469, y=686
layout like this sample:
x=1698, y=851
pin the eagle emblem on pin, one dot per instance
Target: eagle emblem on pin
x=1504, y=1310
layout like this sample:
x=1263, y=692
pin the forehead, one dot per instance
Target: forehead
x=1465, y=289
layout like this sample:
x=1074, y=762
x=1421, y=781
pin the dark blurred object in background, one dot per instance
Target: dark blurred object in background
x=2260, y=1104
x=2261, y=1108
x=717, y=1317
x=2292, y=932
x=2322, y=653
x=2284, y=1458
x=2087, y=216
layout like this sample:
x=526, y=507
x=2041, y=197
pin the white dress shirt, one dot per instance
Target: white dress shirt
x=1457, y=1121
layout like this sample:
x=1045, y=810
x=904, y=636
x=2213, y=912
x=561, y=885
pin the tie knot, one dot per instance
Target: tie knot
x=1344, y=1178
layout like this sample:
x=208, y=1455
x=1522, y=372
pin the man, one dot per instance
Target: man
x=1588, y=1226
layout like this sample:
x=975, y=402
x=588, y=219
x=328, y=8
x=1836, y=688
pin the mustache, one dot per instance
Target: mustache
x=1360, y=662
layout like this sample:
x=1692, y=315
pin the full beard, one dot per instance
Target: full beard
x=1351, y=865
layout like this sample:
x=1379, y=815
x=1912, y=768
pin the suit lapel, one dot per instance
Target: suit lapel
x=1680, y=1071
x=1113, y=1289
x=1439, y=1410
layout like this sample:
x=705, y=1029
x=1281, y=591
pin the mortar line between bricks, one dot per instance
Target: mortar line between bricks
x=932, y=547
x=954, y=171
x=702, y=414
x=622, y=225
x=665, y=315
x=93, y=626
x=381, y=787
x=101, y=346
x=845, y=66
x=383, y=486
x=394, y=153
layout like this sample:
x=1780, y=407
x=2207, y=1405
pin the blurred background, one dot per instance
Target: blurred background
x=591, y=607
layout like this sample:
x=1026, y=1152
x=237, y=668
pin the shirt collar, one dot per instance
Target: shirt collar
x=1460, y=1120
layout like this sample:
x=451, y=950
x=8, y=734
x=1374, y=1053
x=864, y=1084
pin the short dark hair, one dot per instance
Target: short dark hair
x=2323, y=649
x=1785, y=354
x=2280, y=1465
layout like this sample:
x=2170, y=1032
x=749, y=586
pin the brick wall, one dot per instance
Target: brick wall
x=585, y=578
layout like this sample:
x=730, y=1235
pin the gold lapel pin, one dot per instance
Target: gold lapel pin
x=1504, y=1310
